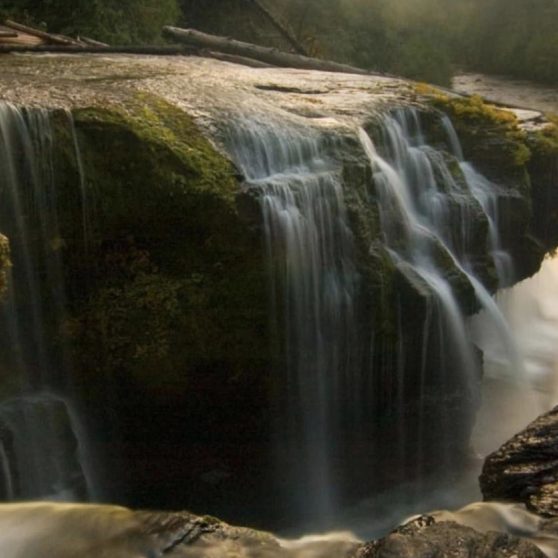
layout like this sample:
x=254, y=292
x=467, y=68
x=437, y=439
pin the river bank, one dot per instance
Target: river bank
x=508, y=91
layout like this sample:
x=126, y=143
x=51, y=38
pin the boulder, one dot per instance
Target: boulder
x=423, y=537
x=525, y=468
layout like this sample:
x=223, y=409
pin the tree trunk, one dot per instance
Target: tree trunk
x=177, y=50
x=270, y=56
x=56, y=39
x=89, y=49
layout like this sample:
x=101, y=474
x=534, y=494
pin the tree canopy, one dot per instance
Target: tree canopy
x=117, y=22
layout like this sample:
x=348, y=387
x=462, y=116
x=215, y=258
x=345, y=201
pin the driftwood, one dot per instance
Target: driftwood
x=267, y=55
x=55, y=39
x=176, y=50
x=92, y=42
x=234, y=59
x=90, y=49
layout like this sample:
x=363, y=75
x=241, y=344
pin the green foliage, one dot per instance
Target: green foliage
x=397, y=36
x=122, y=22
x=419, y=39
x=481, y=124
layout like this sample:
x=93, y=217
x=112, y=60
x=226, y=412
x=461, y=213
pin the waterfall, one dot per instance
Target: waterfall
x=313, y=282
x=487, y=194
x=426, y=209
x=42, y=429
x=430, y=200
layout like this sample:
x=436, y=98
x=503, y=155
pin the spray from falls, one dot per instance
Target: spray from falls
x=39, y=429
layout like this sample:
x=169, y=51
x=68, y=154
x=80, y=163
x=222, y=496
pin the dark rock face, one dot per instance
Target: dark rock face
x=424, y=538
x=525, y=469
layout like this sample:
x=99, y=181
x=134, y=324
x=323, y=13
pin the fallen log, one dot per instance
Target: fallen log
x=8, y=34
x=250, y=62
x=270, y=56
x=175, y=50
x=92, y=42
x=56, y=39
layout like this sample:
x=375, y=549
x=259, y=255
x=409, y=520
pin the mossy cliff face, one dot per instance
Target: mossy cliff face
x=168, y=294
x=178, y=256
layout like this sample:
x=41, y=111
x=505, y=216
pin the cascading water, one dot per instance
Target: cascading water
x=313, y=282
x=426, y=211
x=487, y=195
x=40, y=454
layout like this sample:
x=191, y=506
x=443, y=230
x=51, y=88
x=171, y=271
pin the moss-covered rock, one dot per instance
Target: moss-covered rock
x=522, y=161
x=167, y=287
x=543, y=171
x=176, y=277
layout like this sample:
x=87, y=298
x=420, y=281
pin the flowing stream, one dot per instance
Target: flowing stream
x=42, y=453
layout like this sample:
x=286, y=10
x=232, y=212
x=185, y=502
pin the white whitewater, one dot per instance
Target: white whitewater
x=313, y=280
x=40, y=447
x=294, y=173
x=425, y=211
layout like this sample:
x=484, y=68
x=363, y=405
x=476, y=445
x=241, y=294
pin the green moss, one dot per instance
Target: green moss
x=544, y=142
x=491, y=137
x=171, y=290
x=169, y=133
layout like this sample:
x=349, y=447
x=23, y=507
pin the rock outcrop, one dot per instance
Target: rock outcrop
x=168, y=301
x=425, y=538
x=525, y=469
x=87, y=531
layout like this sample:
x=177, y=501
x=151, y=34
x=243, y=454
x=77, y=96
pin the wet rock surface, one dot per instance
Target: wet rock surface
x=525, y=469
x=87, y=531
x=425, y=538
